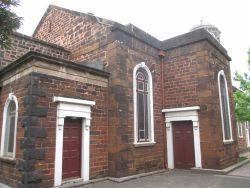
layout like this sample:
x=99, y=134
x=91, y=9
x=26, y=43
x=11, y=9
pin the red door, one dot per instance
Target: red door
x=71, y=167
x=183, y=144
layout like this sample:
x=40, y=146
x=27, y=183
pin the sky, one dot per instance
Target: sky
x=161, y=18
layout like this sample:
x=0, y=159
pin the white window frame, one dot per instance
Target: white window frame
x=10, y=98
x=221, y=73
x=150, y=107
x=247, y=127
x=240, y=129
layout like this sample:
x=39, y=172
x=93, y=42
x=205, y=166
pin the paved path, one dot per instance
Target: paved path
x=239, y=178
x=242, y=171
x=245, y=154
x=178, y=179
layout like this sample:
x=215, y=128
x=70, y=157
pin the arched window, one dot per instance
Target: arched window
x=225, y=108
x=8, y=142
x=143, y=105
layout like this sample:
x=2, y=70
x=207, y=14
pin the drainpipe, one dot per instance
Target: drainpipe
x=161, y=55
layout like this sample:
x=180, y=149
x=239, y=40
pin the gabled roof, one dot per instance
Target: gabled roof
x=76, y=13
x=130, y=29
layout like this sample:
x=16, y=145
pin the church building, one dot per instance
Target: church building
x=86, y=98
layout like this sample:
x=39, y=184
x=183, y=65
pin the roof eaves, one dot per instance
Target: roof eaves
x=38, y=56
x=140, y=35
x=193, y=37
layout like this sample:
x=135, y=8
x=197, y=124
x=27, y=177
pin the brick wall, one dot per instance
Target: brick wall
x=242, y=140
x=45, y=141
x=188, y=75
x=21, y=44
x=180, y=78
x=119, y=53
x=191, y=78
x=98, y=129
x=34, y=163
x=9, y=174
x=81, y=33
x=124, y=158
x=226, y=154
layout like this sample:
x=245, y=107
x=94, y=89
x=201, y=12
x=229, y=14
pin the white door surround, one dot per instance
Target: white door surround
x=69, y=107
x=182, y=114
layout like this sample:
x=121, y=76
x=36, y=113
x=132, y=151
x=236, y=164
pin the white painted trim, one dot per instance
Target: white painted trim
x=182, y=114
x=151, y=134
x=69, y=107
x=10, y=98
x=73, y=101
x=170, y=145
x=240, y=129
x=221, y=109
x=181, y=109
x=247, y=134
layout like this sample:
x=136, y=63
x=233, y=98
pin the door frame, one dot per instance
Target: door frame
x=70, y=107
x=182, y=114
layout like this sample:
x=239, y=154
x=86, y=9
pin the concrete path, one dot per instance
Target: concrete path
x=178, y=179
x=239, y=178
x=243, y=171
x=245, y=154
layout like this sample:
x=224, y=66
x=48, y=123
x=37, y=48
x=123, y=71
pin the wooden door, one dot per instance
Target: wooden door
x=183, y=141
x=71, y=167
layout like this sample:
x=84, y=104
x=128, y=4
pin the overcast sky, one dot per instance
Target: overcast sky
x=161, y=18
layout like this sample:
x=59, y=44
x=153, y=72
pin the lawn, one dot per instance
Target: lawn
x=242, y=158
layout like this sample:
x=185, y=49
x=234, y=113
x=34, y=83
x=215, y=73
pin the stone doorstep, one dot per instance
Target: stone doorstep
x=80, y=182
x=221, y=172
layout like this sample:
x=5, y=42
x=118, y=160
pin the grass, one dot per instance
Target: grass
x=242, y=158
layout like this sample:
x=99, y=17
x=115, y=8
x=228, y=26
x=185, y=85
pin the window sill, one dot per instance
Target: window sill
x=144, y=144
x=8, y=160
x=228, y=141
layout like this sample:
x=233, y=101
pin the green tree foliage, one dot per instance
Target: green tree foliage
x=242, y=96
x=9, y=21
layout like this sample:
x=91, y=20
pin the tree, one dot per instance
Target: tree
x=9, y=21
x=242, y=96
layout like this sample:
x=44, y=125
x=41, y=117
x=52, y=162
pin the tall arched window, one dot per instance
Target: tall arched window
x=8, y=142
x=225, y=108
x=143, y=105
